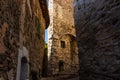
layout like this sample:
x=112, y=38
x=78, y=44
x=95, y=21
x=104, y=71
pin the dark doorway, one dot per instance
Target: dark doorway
x=24, y=68
x=34, y=75
x=61, y=65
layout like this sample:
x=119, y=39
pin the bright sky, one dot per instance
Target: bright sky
x=46, y=31
x=46, y=35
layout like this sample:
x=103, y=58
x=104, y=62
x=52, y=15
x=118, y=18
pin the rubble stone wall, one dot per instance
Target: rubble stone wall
x=22, y=25
x=97, y=25
x=61, y=29
x=9, y=37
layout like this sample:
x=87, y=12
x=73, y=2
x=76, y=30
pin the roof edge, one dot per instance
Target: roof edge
x=43, y=5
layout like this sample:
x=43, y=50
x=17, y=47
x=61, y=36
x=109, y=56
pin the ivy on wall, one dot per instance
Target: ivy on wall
x=38, y=26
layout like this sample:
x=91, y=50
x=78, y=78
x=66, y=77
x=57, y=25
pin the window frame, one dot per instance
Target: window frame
x=63, y=45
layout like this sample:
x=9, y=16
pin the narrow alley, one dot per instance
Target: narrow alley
x=59, y=39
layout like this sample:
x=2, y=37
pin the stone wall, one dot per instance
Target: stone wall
x=22, y=28
x=61, y=29
x=9, y=37
x=34, y=37
x=97, y=25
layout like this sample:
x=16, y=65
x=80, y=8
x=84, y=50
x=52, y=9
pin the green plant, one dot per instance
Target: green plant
x=38, y=25
x=46, y=46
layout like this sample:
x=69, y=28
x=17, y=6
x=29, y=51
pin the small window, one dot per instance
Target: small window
x=62, y=44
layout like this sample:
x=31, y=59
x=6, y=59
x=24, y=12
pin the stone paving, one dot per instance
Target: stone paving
x=62, y=77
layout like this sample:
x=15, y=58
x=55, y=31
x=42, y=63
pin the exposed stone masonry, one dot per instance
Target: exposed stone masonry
x=97, y=25
x=9, y=31
x=62, y=47
x=22, y=28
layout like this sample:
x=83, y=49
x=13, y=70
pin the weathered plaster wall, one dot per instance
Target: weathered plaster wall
x=97, y=25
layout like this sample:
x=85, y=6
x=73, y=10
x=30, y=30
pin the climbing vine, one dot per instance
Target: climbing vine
x=38, y=25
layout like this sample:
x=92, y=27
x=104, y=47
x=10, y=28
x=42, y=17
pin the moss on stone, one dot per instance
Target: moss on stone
x=38, y=26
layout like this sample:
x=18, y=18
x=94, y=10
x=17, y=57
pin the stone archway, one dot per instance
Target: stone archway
x=74, y=52
x=24, y=68
x=69, y=52
x=22, y=65
x=64, y=48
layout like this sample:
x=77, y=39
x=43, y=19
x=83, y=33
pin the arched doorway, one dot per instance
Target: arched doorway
x=73, y=49
x=69, y=52
x=24, y=68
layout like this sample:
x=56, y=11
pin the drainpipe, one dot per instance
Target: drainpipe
x=21, y=24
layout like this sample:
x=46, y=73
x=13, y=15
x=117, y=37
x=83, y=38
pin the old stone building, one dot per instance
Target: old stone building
x=97, y=24
x=22, y=28
x=62, y=48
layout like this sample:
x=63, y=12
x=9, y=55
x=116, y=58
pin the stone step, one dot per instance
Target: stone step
x=62, y=77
